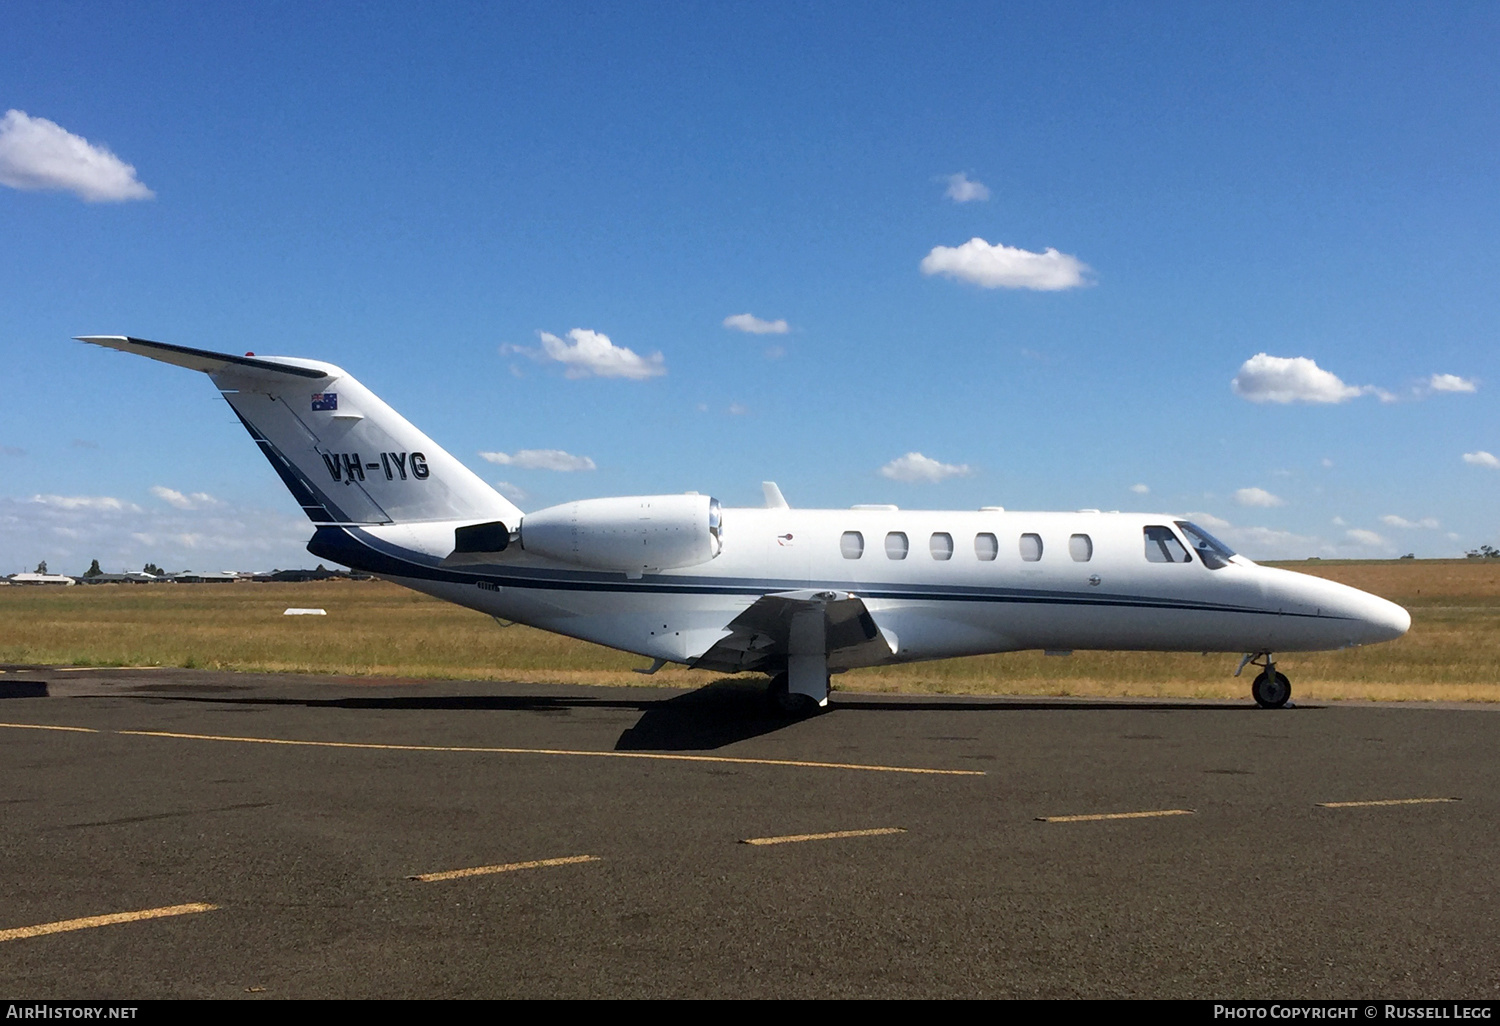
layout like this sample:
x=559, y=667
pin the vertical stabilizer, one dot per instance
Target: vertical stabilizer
x=346, y=456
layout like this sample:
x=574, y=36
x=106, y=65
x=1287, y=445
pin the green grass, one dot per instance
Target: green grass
x=377, y=629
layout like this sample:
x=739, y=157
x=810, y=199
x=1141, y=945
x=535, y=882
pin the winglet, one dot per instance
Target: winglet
x=774, y=499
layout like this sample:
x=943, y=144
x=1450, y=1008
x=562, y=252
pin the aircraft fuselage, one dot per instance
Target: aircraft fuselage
x=937, y=584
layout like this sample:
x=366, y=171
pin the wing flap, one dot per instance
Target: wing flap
x=761, y=635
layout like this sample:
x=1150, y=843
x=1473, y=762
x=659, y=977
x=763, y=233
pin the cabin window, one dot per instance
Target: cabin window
x=986, y=546
x=1081, y=548
x=1031, y=547
x=852, y=545
x=1214, y=553
x=896, y=545
x=941, y=546
x=1162, y=546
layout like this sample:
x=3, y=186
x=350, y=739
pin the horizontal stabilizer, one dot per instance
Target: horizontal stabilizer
x=207, y=362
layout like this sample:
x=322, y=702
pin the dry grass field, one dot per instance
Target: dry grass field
x=377, y=629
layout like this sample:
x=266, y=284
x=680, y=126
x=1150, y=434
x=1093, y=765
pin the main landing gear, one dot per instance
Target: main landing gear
x=1270, y=689
x=783, y=701
x=802, y=688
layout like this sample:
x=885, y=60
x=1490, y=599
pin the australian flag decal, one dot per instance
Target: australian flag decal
x=325, y=401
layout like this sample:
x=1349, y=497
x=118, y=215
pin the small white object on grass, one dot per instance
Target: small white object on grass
x=305, y=612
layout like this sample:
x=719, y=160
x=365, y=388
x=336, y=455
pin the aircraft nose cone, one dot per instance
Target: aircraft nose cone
x=1386, y=620
x=1358, y=618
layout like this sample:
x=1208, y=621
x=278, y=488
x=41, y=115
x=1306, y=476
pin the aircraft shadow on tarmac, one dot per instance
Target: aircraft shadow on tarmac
x=731, y=710
x=718, y=714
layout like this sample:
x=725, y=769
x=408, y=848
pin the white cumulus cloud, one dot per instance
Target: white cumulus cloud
x=1257, y=542
x=916, y=467
x=963, y=189
x=1005, y=267
x=540, y=459
x=514, y=493
x=755, y=326
x=1391, y=520
x=1267, y=542
x=1140, y=489
x=1360, y=536
x=590, y=354
x=172, y=497
x=38, y=154
x=1257, y=497
x=69, y=531
x=1294, y=379
x=94, y=502
x=1452, y=383
x=1482, y=459
x=1209, y=520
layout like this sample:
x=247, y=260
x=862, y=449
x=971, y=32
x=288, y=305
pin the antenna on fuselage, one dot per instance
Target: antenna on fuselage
x=774, y=498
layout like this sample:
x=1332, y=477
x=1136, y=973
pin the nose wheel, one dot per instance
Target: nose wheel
x=1270, y=689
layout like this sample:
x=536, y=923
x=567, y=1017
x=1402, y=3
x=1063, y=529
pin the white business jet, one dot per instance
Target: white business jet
x=796, y=594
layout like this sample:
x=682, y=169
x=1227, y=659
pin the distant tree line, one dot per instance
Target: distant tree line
x=322, y=573
x=95, y=571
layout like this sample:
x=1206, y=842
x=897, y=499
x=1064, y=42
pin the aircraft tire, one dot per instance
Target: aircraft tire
x=1271, y=690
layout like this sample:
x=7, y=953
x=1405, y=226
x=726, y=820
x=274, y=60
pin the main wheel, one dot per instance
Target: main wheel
x=1271, y=690
x=783, y=702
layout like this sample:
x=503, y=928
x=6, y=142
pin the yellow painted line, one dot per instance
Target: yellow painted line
x=65, y=925
x=835, y=835
x=1114, y=815
x=561, y=751
x=46, y=726
x=1384, y=801
x=509, y=867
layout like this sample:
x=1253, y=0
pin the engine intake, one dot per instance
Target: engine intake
x=634, y=533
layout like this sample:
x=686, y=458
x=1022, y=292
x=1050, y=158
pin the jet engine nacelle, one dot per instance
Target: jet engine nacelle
x=634, y=533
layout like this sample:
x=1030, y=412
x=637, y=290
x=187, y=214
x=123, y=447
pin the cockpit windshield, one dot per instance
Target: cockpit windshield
x=1214, y=553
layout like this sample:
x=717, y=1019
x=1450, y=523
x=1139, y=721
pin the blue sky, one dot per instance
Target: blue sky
x=1161, y=192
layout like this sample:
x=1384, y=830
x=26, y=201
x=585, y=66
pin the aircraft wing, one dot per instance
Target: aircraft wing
x=761, y=634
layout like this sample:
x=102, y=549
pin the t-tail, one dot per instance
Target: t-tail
x=347, y=457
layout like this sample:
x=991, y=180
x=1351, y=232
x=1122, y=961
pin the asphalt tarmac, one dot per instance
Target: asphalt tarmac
x=179, y=833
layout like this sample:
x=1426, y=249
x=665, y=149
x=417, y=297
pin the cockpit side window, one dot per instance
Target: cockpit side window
x=1214, y=553
x=1162, y=546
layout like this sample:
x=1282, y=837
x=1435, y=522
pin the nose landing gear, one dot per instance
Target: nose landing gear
x=1270, y=689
